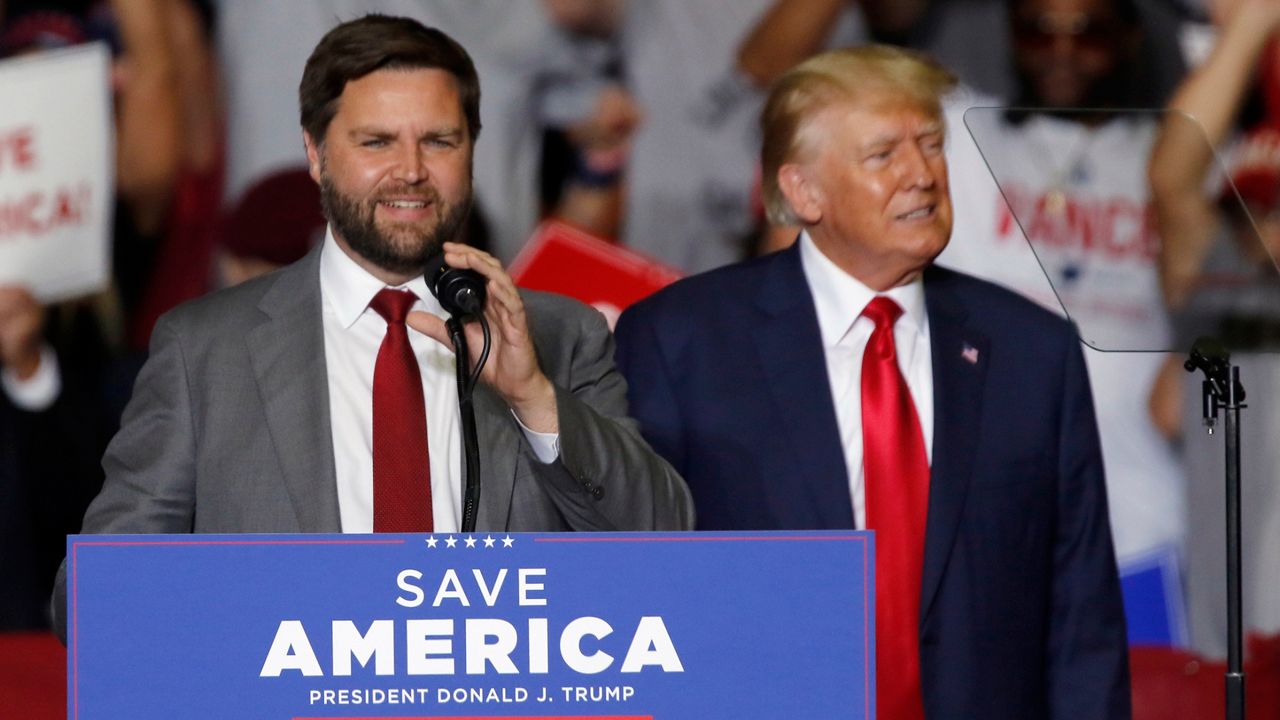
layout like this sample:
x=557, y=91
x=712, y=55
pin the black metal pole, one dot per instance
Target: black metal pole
x=1235, y=632
x=467, y=415
x=1223, y=392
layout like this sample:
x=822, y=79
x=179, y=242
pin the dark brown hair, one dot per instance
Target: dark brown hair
x=380, y=42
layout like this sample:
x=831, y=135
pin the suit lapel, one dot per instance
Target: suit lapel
x=498, y=441
x=960, y=358
x=287, y=353
x=789, y=347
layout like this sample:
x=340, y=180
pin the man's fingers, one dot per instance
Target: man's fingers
x=458, y=255
x=435, y=328
x=470, y=257
x=506, y=296
x=501, y=289
x=429, y=325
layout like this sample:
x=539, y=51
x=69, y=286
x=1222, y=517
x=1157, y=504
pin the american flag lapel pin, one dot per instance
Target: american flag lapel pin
x=969, y=353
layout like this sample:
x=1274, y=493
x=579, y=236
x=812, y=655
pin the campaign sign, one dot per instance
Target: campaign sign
x=56, y=171
x=483, y=626
x=562, y=259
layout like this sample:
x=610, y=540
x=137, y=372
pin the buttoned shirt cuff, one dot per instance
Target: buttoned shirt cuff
x=546, y=446
x=38, y=392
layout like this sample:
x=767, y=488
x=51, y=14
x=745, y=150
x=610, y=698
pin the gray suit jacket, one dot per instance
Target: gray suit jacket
x=228, y=429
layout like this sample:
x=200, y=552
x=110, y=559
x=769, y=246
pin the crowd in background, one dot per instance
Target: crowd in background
x=637, y=121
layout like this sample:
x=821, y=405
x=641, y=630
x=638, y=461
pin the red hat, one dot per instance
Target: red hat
x=278, y=219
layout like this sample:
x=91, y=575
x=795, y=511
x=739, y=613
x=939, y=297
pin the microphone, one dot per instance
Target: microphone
x=461, y=292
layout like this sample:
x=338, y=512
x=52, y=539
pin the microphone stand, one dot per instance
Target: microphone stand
x=1223, y=392
x=470, y=442
x=462, y=294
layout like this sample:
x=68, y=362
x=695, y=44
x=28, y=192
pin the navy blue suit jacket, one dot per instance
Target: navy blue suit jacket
x=1021, y=614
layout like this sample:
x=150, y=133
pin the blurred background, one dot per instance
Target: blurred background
x=1117, y=161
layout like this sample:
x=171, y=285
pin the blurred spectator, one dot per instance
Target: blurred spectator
x=586, y=190
x=691, y=179
x=275, y=223
x=168, y=150
x=46, y=464
x=1070, y=180
x=1219, y=278
x=55, y=422
x=968, y=37
x=948, y=30
x=178, y=252
x=538, y=69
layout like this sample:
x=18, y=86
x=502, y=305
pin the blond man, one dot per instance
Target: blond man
x=847, y=382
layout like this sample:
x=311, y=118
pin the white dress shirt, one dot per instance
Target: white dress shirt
x=839, y=300
x=353, y=332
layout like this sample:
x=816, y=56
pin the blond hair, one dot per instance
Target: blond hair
x=871, y=76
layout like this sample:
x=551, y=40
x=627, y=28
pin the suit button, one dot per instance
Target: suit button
x=597, y=493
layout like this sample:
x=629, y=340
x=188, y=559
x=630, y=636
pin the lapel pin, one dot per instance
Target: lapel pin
x=969, y=353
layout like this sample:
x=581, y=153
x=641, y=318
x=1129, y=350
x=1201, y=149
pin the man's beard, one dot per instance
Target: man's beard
x=408, y=253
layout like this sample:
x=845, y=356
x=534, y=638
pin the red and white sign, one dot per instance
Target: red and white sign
x=562, y=259
x=56, y=179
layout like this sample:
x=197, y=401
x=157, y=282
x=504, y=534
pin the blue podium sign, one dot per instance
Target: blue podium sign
x=574, y=625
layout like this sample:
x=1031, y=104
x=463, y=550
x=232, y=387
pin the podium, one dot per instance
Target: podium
x=486, y=625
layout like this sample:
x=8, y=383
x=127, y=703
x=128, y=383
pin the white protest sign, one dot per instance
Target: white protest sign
x=56, y=171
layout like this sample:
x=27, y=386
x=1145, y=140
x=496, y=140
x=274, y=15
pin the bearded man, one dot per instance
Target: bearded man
x=322, y=397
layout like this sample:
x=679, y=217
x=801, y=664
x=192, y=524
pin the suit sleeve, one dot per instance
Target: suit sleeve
x=654, y=402
x=149, y=465
x=607, y=476
x=1088, y=672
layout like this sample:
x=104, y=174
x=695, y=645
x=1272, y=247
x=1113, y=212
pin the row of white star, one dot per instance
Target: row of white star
x=470, y=541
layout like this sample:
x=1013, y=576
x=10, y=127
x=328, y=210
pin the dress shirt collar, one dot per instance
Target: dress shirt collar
x=840, y=298
x=350, y=288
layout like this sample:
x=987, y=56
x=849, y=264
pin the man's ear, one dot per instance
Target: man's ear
x=313, y=155
x=802, y=194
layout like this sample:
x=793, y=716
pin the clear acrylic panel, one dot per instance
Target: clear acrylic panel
x=1076, y=186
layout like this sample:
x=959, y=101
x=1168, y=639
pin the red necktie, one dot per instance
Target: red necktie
x=401, y=468
x=896, y=471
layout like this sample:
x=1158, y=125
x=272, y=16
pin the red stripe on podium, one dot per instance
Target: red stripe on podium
x=488, y=717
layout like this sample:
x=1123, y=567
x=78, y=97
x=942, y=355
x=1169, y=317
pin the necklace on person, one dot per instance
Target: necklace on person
x=1064, y=176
